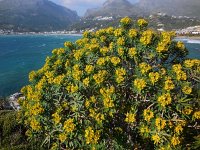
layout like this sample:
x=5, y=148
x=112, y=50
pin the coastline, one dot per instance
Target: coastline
x=188, y=37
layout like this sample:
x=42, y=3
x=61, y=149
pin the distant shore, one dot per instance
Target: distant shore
x=189, y=37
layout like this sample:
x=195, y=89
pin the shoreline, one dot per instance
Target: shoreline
x=188, y=37
x=69, y=34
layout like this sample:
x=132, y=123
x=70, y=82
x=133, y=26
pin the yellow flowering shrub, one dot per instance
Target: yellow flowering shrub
x=116, y=88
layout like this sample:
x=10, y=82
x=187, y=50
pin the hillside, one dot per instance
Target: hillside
x=37, y=15
x=117, y=8
x=122, y=8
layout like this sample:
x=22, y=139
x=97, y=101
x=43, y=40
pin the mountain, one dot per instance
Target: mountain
x=113, y=8
x=189, y=8
x=34, y=15
x=122, y=8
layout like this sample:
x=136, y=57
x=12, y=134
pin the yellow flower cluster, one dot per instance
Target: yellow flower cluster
x=56, y=118
x=121, y=41
x=175, y=141
x=32, y=76
x=132, y=33
x=100, y=76
x=180, y=45
x=146, y=37
x=169, y=85
x=156, y=138
x=35, y=125
x=89, y=69
x=76, y=73
x=68, y=44
x=132, y=52
x=71, y=88
x=196, y=115
x=120, y=51
x=144, y=67
x=187, y=89
x=178, y=129
x=120, y=73
x=148, y=114
x=180, y=75
x=86, y=82
x=101, y=61
x=160, y=123
x=142, y=22
x=107, y=93
x=91, y=136
x=62, y=137
x=126, y=21
x=130, y=118
x=104, y=50
x=163, y=45
x=165, y=99
x=154, y=77
x=191, y=62
x=118, y=32
x=144, y=129
x=115, y=60
x=78, y=54
x=140, y=84
x=97, y=116
x=69, y=125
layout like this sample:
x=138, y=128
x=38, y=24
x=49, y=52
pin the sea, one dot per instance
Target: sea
x=20, y=54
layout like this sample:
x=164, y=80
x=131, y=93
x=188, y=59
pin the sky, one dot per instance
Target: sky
x=80, y=6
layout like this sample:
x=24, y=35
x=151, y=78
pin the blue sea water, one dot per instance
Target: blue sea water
x=20, y=54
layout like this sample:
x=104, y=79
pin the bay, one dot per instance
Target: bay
x=20, y=54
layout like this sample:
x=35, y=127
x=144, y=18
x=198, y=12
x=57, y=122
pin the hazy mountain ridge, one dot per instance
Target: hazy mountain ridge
x=35, y=15
x=189, y=8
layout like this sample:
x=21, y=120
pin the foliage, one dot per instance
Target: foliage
x=117, y=88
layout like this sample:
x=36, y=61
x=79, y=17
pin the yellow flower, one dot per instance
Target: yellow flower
x=91, y=136
x=78, y=54
x=35, y=125
x=32, y=76
x=132, y=33
x=118, y=32
x=181, y=75
x=196, y=115
x=189, y=63
x=86, y=82
x=165, y=99
x=154, y=77
x=115, y=60
x=120, y=51
x=56, y=118
x=130, y=118
x=148, y=115
x=146, y=37
x=156, y=138
x=104, y=50
x=120, y=73
x=175, y=141
x=89, y=69
x=187, y=111
x=144, y=129
x=144, y=67
x=121, y=41
x=126, y=21
x=62, y=137
x=140, y=84
x=100, y=76
x=169, y=85
x=163, y=71
x=58, y=80
x=68, y=44
x=132, y=52
x=108, y=102
x=178, y=129
x=162, y=47
x=142, y=22
x=187, y=89
x=69, y=125
x=180, y=45
x=177, y=67
x=160, y=123
x=101, y=61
